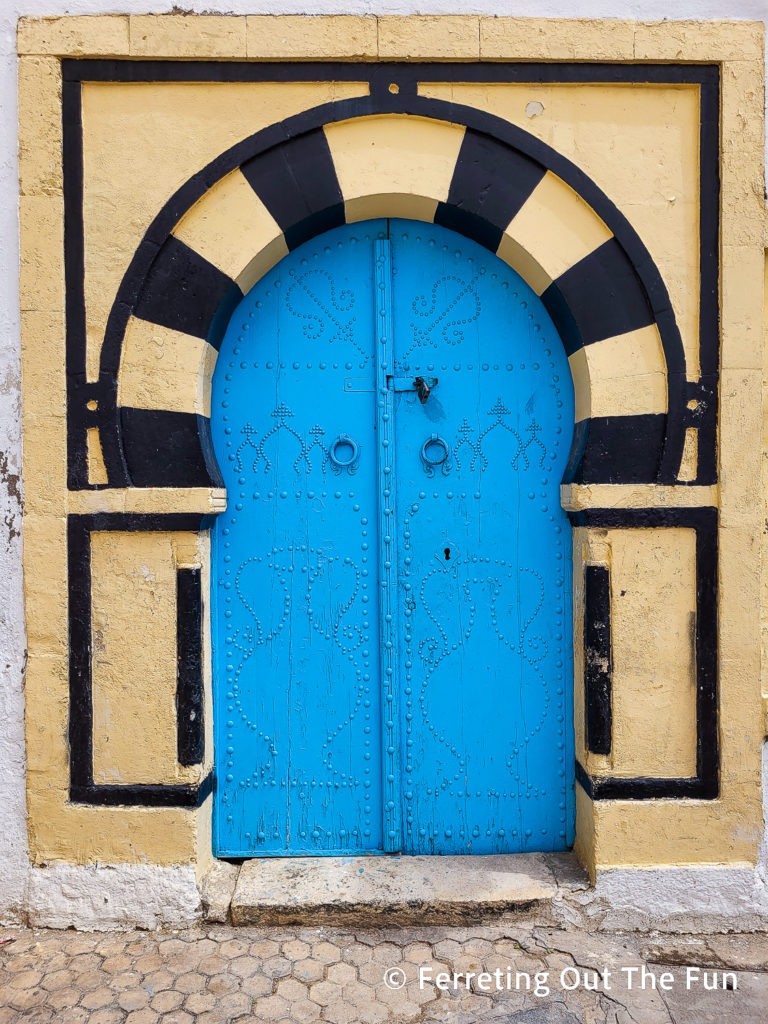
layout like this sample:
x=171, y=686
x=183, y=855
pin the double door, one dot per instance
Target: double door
x=392, y=411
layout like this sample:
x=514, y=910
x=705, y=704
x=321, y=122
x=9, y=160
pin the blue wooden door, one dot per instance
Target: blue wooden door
x=392, y=411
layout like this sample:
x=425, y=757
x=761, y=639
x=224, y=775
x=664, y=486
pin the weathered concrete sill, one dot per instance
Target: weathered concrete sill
x=390, y=890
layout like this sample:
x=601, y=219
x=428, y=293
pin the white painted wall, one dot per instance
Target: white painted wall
x=14, y=874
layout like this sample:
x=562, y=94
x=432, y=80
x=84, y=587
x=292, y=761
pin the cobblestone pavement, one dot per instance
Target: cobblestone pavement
x=217, y=974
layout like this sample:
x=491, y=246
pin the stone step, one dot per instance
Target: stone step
x=391, y=889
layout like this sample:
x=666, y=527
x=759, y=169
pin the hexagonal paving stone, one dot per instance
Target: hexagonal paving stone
x=26, y=998
x=98, y=997
x=236, y=1004
x=387, y=954
x=417, y=953
x=357, y=993
x=341, y=973
x=191, y=982
x=324, y=993
x=133, y=999
x=326, y=952
x=277, y=967
x=58, y=980
x=305, y=1012
x=292, y=990
x=447, y=949
x=233, y=948
x=119, y=982
x=63, y=998
x=200, y=1002
x=108, y=1015
x=245, y=966
x=170, y=947
x=158, y=981
x=166, y=1001
x=143, y=1016
x=178, y=1017
x=148, y=963
x=223, y=984
x=212, y=965
x=295, y=949
x=26, y=979
x=116, y=963
x=271, y=1008
x=357, y=954
x=264, y=949
x=308, y=970
x=257, y=986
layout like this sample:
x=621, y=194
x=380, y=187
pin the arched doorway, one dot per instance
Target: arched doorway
x=392, y=411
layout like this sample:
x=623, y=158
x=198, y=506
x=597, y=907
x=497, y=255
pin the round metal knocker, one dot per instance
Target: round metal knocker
x=344, y=453
x=435, y=452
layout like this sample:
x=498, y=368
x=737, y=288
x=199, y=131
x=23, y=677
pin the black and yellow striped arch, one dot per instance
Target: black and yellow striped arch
x=391, y=155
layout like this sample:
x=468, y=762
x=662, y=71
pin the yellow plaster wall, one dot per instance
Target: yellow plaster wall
x=180, y=126
x=133, y=615
x=656, y=190
x=653, y=615
x=640, y=144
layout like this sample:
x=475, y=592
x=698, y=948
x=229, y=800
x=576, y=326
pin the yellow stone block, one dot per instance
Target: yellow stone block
x=651, y=833
x=742, y=342
x=133, y=595
x=40, y=167
x=584, y=846
x=182, y=35
x=422, y=37
x=653, y=611
x=142, y=142
x=740, y=446
x=100, y=35
x=145, y=500
x=42, y=366
x=41, y=275
x=232, y=228
x=554, y=229
x=699, y=40
x=620, y=376
x=45, y=584
x=164, y=369
x=88, y=834
x=301, y=37
x=555, y=39
x=383, y=161
x=46, y=686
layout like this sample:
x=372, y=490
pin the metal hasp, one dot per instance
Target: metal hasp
x=392, y=413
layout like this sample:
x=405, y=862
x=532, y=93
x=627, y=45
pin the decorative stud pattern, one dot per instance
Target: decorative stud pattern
x=358, y=656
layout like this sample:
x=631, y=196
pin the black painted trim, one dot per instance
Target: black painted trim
x=705, y=785
x=598, y=298
x=405, y=74
x=408, y=101
x=185, y=292
x=169, y=449
x=598, y=659
x=82, y=788
x=189, y=667
x=616, y=450
x=297, y=183
x=490, y=184
x=144, y=795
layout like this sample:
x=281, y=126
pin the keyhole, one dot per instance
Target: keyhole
x=447, y=554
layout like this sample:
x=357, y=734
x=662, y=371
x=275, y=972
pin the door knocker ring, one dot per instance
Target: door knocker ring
x=343, y=454
x=435, y=452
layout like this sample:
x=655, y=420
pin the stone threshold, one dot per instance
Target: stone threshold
x=390, y=889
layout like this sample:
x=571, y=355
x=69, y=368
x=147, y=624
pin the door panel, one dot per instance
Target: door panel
x=298, y=724
x=392, y=412
x=484, y=553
